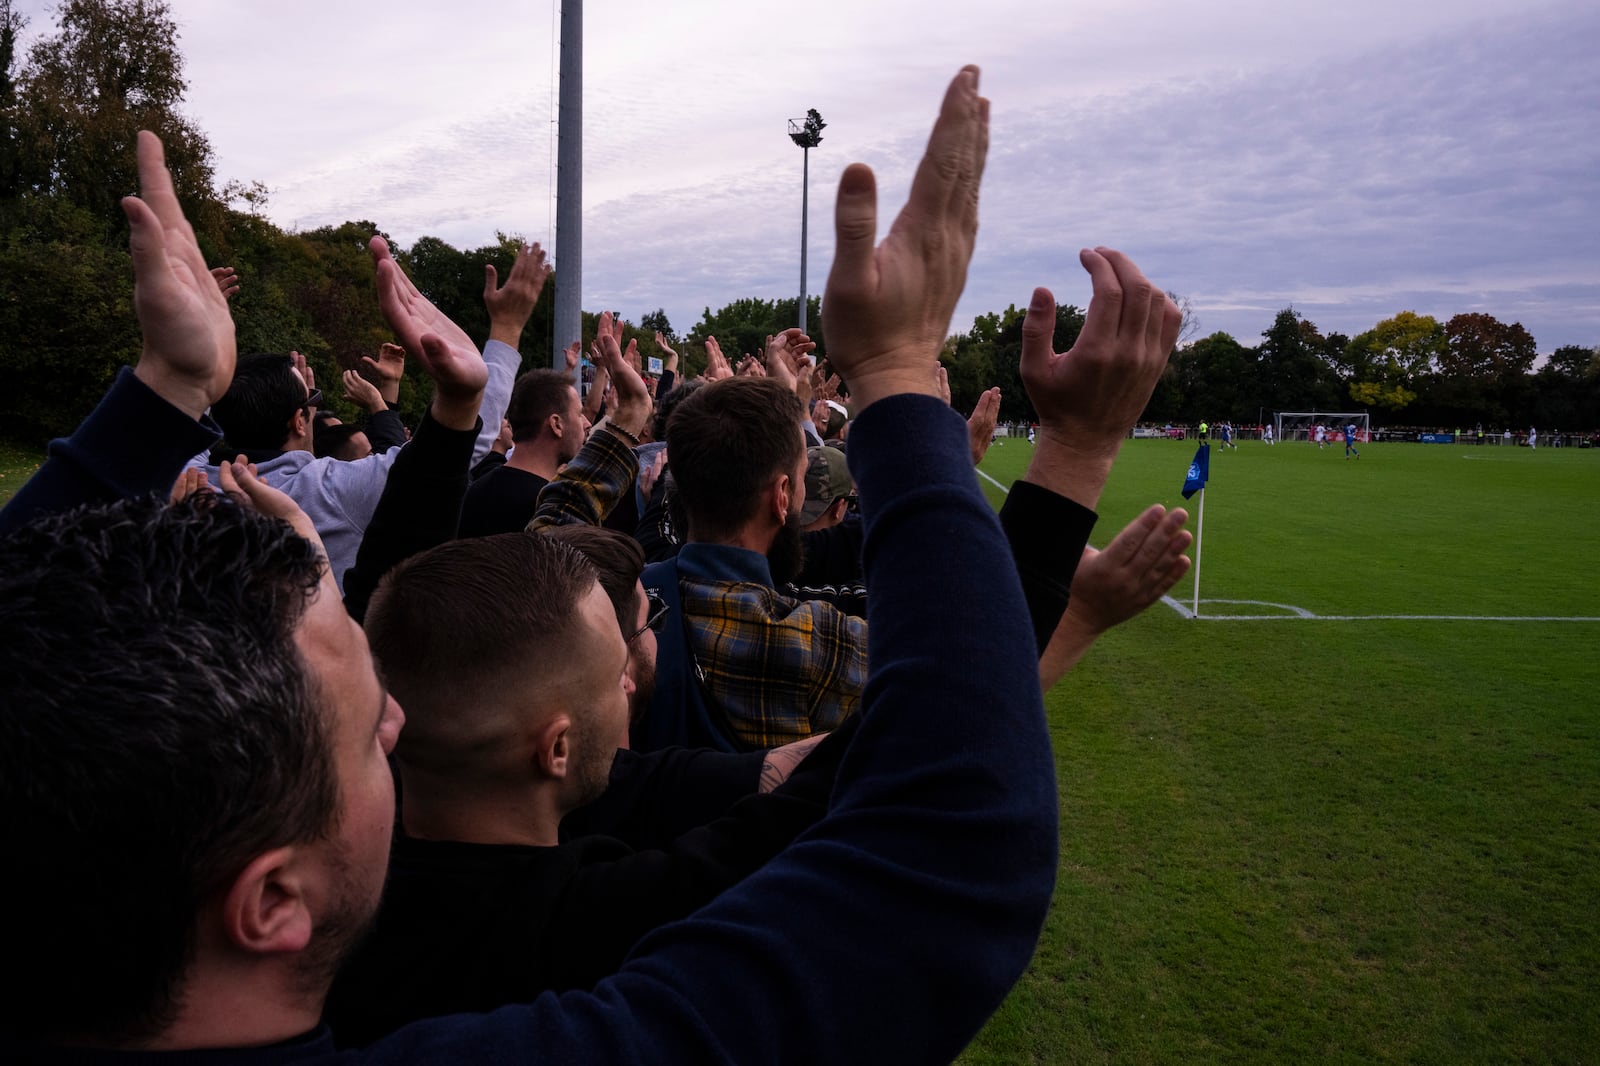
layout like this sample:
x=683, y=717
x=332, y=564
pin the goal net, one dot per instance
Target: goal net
x=1302, y=425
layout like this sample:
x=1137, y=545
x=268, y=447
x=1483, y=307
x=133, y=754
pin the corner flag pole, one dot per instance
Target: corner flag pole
x=1195, y=481
x=1199, y=529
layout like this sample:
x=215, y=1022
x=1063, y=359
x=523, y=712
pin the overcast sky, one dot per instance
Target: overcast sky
x=1352, y=159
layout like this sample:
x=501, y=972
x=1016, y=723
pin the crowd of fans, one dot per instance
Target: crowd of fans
x=715, y=707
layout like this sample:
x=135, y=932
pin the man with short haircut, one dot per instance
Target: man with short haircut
x=547, y=429
x=485, y=904
x=775, y=670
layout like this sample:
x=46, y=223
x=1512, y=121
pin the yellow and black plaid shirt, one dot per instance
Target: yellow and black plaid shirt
x=777, y=669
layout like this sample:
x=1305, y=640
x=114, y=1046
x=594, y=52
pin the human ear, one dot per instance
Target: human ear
x=266, y=909
x=553, y=747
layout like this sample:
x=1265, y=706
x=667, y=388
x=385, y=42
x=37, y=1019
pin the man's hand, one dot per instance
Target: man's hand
x=363, y=393
x=227, y=280
x=980, y=427
x=1090, y=396
x=191, y=481
x=887, y=308
x=631, y=409
x=303, y=368
x=427, y=334
x=779, y=763
x=388, y=370
x=784, y=352
x=243, y=484
x=671, y=361
x=189, y=348
x=511, y=305
x=1138, y=567
x=574, y=350
x=717, y=366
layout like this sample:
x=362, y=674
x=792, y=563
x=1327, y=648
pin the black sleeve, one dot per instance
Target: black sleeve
x=133, y=443
x=420, y=507
x=832, y=555
x=608, y=907
x=1047, y=534
x=385, y=430
x=493, y=461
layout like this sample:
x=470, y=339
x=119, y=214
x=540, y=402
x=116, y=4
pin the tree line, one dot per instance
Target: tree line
x=68, y=114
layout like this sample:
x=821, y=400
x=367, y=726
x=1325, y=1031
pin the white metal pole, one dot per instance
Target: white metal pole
x=1199, y=529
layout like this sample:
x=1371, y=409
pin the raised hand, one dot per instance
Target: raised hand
x=388, y=370
x=671, y=361
x=361, y=392
x=189, y=347
x=717, y=366
x=980, y=427
x=1090, y=395
x=427, y=334
x=887, y=307
x=307, y=375
x=629, y=408
x=574, y=350
x=511, y=305
x=227, y=280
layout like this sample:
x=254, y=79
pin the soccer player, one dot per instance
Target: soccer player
x=1350, y=440
x=1322, y=436
x=1266, y=434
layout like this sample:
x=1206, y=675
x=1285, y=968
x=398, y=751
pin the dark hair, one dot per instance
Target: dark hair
x=159, y=732
x=254, y=413
x=460, y=622
x=669, y=403
x=336, y=441
x=536, y=396
x=725, y=442
x=617, y=558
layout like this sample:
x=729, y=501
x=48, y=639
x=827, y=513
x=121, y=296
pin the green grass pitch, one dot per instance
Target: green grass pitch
x=1362, y=839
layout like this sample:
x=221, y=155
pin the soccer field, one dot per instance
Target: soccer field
x=1365, y=827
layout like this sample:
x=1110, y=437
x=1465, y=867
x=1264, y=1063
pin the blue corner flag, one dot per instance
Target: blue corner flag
x=1199, y=470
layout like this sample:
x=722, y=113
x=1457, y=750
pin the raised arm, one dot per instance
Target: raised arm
x=153, y=419
x=1138, y=567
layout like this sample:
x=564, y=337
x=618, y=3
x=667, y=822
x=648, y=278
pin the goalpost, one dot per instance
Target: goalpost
x=1301, y=425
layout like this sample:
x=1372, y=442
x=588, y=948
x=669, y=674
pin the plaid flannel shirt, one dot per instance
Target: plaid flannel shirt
x=591, y=484
x=777, y=669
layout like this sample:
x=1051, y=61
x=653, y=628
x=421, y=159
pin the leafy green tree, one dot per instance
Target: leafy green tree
x=1387, y=362
x=111, y=69
x=1292, y=372
x=1216, y=375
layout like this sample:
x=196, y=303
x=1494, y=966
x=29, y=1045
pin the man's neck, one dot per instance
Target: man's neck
x=537, y=456
x=750, y=537
x=533, y=820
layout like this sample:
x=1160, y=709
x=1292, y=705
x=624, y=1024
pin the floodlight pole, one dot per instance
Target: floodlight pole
x=567, y=323
x=807, y=133
x=805, y=215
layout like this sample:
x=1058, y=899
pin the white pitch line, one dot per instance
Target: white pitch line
x=993, y=482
